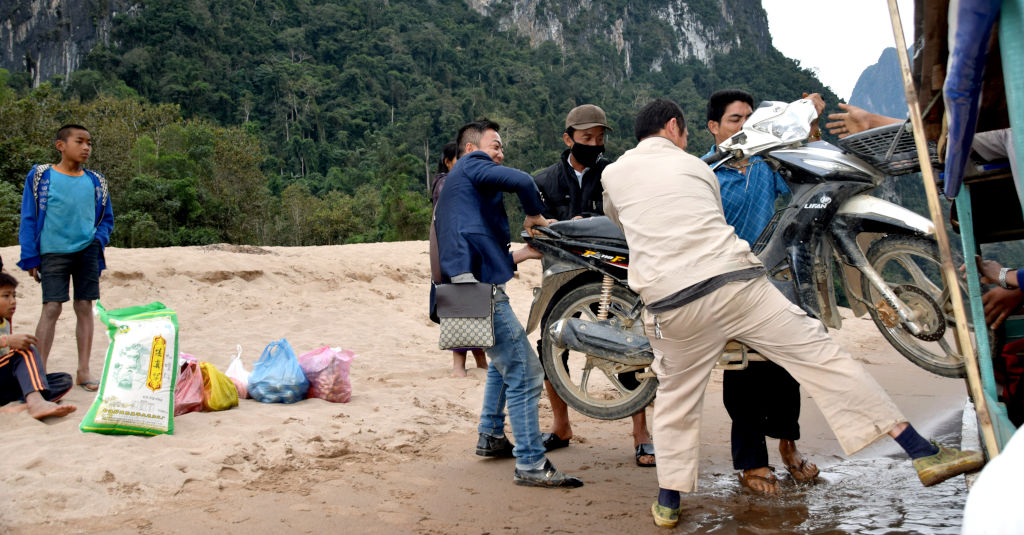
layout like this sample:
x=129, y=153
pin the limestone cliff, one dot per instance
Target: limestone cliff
x=879, y=88
x=647, y=33
x=48, y=38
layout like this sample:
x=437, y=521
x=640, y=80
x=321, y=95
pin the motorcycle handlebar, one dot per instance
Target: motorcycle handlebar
x=718, y=156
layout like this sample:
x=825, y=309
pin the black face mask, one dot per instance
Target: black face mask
x=586, y=155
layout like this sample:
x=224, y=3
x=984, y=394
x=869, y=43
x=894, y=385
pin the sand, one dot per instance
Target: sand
x=397, y=458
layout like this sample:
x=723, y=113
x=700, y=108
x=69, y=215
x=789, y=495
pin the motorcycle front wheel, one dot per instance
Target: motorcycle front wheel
x=911, y=267
x=589, y=384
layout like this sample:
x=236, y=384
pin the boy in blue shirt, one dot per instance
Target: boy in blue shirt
x=66, y=220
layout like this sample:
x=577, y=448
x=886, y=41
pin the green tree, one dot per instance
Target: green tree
x=10, y=208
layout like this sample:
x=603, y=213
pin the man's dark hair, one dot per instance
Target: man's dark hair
x=65, y=131
x=652, y=118
x=7, y=281
x=720, y=100
x=472, y=132
x=449, y=151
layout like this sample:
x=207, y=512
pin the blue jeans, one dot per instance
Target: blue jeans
x=515, y=376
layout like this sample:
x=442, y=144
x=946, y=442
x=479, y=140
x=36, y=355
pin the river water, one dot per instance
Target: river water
x=852, y=496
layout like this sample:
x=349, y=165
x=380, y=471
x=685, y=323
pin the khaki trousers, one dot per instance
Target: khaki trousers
x=756, y=314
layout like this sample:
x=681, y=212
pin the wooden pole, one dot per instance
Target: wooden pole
x=949, y=273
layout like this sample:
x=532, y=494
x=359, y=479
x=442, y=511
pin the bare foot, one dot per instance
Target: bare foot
x=39, y=408
x=800, y=468
x=760, y=480
x=458, y=372
x=13, y=407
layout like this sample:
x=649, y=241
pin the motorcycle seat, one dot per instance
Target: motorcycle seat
x=599, y=227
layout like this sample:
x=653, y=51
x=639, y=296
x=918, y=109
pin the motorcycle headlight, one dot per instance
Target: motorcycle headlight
x=786, y=128
x=791, y=125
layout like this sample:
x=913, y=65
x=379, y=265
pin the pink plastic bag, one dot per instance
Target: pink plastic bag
x=238, y=374
x=327, y=370
x=188, y=393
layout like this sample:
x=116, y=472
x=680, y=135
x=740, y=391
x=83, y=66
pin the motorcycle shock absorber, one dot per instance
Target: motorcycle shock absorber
x=606, y=298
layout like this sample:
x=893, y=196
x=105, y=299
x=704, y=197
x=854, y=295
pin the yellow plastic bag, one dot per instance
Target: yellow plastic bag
x=219, y=393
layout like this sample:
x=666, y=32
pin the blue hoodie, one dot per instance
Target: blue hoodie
x=33, y=213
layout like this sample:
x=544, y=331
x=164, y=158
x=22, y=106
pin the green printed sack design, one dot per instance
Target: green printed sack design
x=136, y=394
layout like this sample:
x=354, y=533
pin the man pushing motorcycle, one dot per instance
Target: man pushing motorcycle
x=703, y=287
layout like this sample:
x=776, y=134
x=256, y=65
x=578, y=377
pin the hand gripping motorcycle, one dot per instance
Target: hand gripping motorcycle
x=593, y=346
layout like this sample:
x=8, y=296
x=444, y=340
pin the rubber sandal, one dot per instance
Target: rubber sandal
x=771, y=480
x=643, y=450
x=553, y=442
x=798, y=472
x=90, y=386
x=664, y=517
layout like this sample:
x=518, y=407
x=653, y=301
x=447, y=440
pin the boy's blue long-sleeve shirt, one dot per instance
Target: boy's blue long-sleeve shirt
x=33, y=213
x=470, y=220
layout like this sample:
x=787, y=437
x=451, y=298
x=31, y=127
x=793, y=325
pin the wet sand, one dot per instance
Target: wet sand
x=399, y=456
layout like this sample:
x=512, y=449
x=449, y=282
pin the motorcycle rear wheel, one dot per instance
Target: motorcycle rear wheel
x=584, y=382
x=911, y=261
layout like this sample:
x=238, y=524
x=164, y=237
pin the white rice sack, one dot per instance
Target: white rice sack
x=136, y=393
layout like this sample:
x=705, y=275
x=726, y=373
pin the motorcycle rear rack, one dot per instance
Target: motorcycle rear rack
x=736, y=357
x=888, y=148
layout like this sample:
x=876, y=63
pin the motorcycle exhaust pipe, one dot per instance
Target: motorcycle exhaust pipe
x=603, y=341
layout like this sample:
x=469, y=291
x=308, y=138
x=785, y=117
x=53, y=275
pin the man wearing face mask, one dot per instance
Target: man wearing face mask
x=571, y=189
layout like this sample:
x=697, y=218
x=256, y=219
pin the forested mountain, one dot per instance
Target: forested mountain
x=331, y=113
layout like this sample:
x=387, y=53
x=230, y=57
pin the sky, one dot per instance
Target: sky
x=836, y=38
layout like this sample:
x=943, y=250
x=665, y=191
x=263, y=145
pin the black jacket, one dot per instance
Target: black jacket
x=563, y=197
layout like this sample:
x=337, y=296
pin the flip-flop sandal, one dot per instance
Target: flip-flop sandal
x=553, y=442
x=771, y=480
x=644, y=450
x=90, y=386
x=798, y=472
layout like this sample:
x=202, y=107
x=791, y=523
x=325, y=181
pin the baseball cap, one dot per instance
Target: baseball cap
x=586, y=116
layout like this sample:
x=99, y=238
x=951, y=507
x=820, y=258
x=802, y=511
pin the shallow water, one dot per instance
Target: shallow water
x=860, y=496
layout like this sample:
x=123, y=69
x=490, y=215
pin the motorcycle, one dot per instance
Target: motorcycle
x=593, y=345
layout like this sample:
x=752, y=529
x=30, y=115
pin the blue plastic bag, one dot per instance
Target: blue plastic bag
x=277, y=377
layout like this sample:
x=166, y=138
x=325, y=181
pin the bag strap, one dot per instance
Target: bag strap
x=435, y=246
x=104, y=190
x=37, y=178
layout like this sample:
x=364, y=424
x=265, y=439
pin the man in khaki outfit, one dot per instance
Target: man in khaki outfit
x=703, y=287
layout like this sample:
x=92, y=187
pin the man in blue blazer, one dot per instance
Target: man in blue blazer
x=474, y=245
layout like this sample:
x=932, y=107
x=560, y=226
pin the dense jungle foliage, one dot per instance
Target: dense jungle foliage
x=304, y=122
